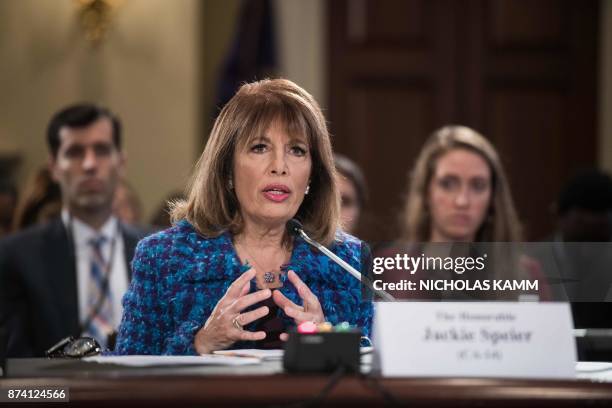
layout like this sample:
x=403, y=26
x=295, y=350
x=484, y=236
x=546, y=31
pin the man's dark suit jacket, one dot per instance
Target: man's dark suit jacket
x=38, y=287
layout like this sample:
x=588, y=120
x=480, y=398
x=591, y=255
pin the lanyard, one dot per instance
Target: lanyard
x=108, y=267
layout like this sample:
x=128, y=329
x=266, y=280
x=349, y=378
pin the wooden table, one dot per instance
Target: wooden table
x=266, y=385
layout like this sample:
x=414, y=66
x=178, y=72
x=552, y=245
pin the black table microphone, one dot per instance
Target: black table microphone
x=295, y=228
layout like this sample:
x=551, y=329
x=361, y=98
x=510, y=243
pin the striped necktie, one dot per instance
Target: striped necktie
x=100, y=314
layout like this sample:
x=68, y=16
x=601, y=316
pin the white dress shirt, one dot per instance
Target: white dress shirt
x=118, y=274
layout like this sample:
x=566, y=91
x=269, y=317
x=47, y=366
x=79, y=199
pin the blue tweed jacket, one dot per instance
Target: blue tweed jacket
x=179, y=276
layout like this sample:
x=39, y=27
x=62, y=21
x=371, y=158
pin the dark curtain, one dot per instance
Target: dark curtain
x=252, y=55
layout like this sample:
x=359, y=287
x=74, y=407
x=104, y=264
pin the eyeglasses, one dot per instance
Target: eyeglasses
x=71, y=347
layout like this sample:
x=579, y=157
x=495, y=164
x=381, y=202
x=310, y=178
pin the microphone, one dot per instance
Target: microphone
x=296, y=229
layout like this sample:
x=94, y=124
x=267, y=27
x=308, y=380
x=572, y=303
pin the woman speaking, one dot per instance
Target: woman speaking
x=228, y=274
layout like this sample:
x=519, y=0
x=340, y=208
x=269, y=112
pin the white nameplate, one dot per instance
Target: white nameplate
x=486, y=339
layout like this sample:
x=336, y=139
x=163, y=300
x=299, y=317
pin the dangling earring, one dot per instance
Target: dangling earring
x=307, y=189
x=230, y=184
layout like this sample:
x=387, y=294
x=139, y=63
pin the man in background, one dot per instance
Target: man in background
x=67, y=277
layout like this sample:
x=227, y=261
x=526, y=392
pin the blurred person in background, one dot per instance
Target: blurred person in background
x=584, y=208
x=228, y=273
x=580, y=254
x=40, y=202
x=67, y=277
x=459, y=194
x=353, y=192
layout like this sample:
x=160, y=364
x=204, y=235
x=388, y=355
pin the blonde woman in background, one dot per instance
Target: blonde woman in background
x=459, y=193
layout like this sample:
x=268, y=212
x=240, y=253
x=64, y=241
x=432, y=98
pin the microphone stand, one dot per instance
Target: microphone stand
x=296, y=228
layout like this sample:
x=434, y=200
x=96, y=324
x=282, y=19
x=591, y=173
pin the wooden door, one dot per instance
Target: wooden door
x=522, y=73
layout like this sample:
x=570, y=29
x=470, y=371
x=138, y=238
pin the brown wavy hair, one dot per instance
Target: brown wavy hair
x=212, y=207
x=501, y=223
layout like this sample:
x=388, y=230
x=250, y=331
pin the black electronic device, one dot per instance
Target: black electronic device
x=322, y=352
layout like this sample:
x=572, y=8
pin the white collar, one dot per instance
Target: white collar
x=82, y=233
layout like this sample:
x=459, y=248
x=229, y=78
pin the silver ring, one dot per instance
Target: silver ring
x=236, y=323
